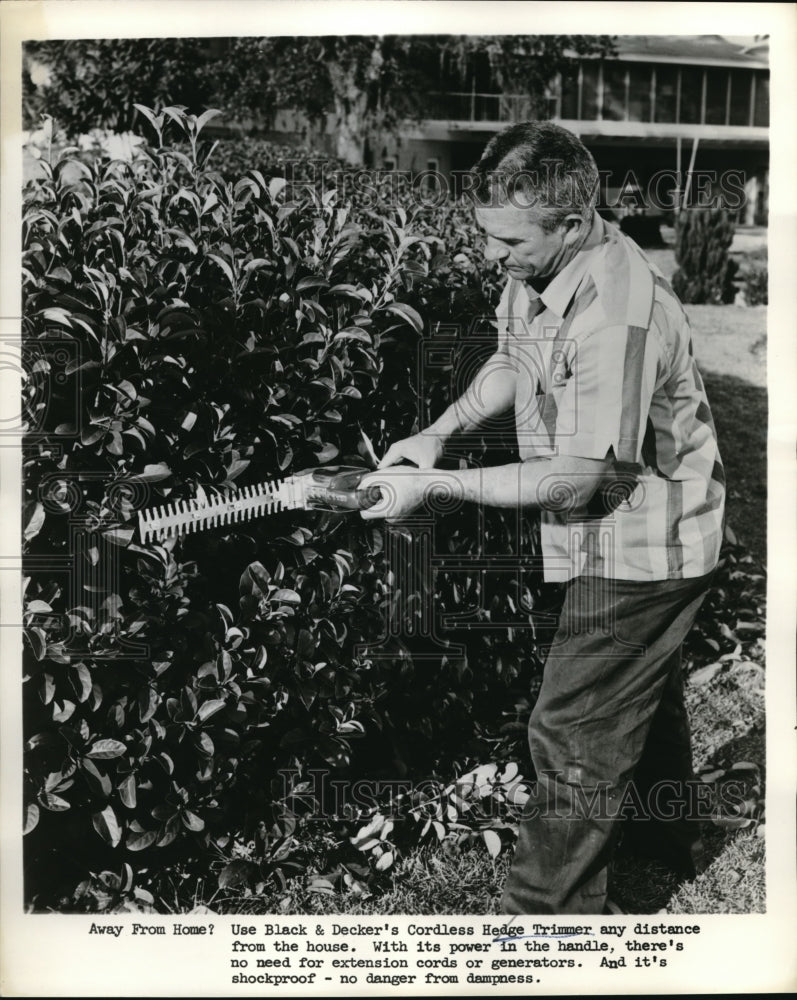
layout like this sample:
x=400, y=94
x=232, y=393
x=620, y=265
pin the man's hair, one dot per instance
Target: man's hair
x=537, y=164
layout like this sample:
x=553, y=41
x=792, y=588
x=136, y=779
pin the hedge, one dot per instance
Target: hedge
x=187, y=330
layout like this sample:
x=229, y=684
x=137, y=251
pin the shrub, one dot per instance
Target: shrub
x=702, y=242
x=233, y=157
x=755, y=275
x=186, y=331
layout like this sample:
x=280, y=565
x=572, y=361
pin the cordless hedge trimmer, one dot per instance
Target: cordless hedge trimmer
x=332, y=488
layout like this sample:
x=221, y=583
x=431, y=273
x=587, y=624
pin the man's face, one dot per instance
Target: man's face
x=516, y=239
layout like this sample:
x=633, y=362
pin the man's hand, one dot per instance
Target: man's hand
x=403, y=491
x=423, y=450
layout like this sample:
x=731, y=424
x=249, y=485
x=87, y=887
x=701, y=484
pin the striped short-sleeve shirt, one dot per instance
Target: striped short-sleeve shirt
x=605, y=368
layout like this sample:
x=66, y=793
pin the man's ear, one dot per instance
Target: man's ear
x=572, y=225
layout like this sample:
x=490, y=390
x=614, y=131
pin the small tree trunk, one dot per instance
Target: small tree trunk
x=350, y=134
x=353, y=116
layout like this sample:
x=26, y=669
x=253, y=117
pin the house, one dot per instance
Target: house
x=664, y=105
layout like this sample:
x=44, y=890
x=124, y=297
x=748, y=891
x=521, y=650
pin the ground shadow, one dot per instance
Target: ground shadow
x=740, y=415
x=640, y=885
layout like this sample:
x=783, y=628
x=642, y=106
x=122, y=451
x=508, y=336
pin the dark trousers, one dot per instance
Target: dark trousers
x=609, y=725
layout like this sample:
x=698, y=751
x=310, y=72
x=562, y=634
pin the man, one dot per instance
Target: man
x=618, y=452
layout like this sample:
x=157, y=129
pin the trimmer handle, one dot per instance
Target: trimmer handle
x=336, y=487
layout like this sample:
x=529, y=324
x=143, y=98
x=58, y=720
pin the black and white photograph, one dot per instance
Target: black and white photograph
x=394, y=424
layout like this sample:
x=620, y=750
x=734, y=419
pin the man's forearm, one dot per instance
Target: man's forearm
x=491, y=393
x=558, y=483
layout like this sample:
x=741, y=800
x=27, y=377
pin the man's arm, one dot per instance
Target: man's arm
x=491, y=393
x=559, y=483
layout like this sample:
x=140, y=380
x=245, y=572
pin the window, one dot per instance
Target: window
x=389, y=163
x=569, y=91
x=486, y=107
x=589, y=91
x=716, y=96
x=666, y=93
x=741, y=86
x=639, y=94
x=614, y=91
x=433, y=165
x=761, y=106
x=691, y=94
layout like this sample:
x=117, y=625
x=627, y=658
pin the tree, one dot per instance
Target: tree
x=94, y=83
x=368, y=83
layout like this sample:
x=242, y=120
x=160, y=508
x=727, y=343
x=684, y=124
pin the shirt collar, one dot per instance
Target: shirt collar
x=559, y=292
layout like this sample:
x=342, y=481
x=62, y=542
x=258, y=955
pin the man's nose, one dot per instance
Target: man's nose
x=495, y=250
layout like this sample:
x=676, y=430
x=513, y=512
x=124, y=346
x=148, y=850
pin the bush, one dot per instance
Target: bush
x=185, y=331
x=755, y=275
x=705, y=270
